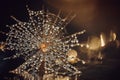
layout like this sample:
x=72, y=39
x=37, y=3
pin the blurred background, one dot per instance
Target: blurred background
x=100, y=47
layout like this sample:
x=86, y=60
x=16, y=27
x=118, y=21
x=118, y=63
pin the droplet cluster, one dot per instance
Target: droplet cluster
x=42, y=41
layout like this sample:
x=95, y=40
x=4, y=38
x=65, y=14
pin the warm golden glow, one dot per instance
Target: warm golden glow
x=100, y=56
x=87, y=46
x=2, y=47
x=102, y=39
x=83, y=62
x=72, y=56
x=94, y=43
x=58, y=77
x=44, y=47
x=112, y=36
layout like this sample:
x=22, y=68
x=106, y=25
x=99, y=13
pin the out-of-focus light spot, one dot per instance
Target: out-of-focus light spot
x=81, y=45
x=72, y=56
x=100, y=56
x=94, y=43
x=112, y=36
x=2, y=46
x=102, y=40
x=83, y=62
x=87, y=46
